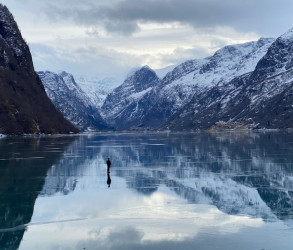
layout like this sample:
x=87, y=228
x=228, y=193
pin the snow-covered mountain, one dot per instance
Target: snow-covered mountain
x=259, y=99
x=122, y=103
x=72, y=101
x=161, y=73
x=245, y=86
x=97, y=89
x=153, y=106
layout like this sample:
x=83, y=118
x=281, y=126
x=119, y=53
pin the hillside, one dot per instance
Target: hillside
x=24, y=105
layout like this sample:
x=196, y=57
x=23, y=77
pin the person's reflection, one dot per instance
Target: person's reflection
x=108, y=165
x=108, y=179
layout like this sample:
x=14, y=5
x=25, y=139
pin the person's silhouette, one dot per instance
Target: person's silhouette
x=108, y=165
x=108, y=180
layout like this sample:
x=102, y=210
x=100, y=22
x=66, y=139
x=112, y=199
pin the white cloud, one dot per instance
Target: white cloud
x=110, y=37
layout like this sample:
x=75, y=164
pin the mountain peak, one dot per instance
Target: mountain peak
x=138, y=71
x=144, y=70
x=278, y=58
x=142, y=76
x=146, y=67
x=288, y=36
x=12, y=38
x=68, y=78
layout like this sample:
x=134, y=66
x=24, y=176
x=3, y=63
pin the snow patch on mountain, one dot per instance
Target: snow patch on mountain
x=223, y=66
x=72, y=101
x=97, y=89
x=161, y=73
x=63, y=83
x=287, y=36
x=139, y=95
x=232, y=61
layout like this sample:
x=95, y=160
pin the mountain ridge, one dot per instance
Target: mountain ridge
x=72, y=101
x=168, y=95
x=146, y=101
x=260, y=99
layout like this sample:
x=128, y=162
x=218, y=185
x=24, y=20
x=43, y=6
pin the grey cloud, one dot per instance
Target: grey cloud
x=122, y=27
x=92, y=32
x=125, y=236
x=122, y=238
x=262, y=16
x=180, y=55
x=91, y=61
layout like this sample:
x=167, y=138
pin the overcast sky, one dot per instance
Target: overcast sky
x=110, y=37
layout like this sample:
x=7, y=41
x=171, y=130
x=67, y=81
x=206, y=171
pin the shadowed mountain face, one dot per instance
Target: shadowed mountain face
x=24, y=105
x=24, y=163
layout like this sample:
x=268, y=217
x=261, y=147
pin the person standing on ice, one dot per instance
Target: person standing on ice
x=108, y=165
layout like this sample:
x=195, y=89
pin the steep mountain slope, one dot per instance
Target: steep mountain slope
x=24, y=105
x=122, y=104
x=71, y=100
x=164, y=98
x=260, y=99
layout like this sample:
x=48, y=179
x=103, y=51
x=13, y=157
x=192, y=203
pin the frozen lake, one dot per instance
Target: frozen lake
x=164, y=191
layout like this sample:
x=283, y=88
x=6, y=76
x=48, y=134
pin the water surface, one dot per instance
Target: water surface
x=164, y=191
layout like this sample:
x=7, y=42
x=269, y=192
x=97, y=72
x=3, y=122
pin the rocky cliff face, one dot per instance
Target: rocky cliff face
x=72, y=101
x=123, y=107
x=24, y=105
x=262, y=98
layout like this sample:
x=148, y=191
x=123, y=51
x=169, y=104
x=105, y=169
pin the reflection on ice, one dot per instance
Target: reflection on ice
x=126, y=220
x=238, y=178
x=175, y=191
x=21, y=179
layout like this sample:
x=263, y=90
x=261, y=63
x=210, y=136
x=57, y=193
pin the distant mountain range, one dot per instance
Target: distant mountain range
x=226, y=90
x=145, y=101
x=241, y=86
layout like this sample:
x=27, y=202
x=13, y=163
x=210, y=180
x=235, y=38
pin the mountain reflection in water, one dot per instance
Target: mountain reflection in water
x=24, y=163
x=222, y=168
x=163, y=181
